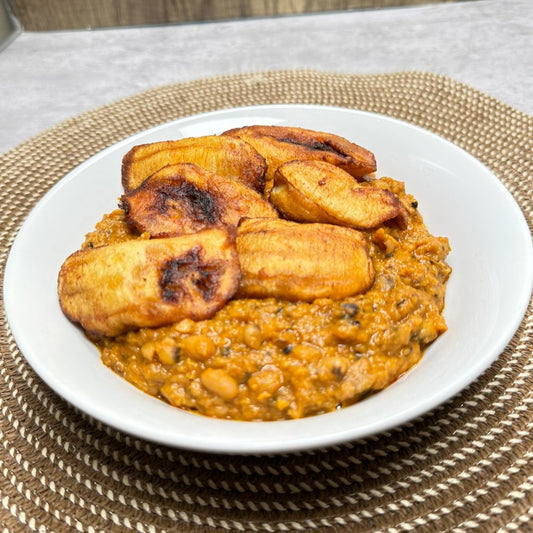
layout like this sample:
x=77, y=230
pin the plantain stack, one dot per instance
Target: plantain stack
x=257, y=212
x=184, y=198
x=316, y=191
x=224, y=156
x=278, y=145
x=292, y=261
x=147, y=283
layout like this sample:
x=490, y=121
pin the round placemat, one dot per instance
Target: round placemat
x=464, y=466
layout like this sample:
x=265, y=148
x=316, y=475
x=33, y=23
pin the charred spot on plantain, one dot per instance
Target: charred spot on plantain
x=178, y=273
x=124, y=204
x=207, y=281
x=173, y=273
x=200, y=202
x=312, y=144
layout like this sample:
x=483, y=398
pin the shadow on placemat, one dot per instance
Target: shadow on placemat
x=464, y=466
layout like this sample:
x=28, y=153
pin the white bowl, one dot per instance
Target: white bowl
x=492, y=261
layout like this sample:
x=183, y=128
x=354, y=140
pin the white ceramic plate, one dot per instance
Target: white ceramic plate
x=459, y=198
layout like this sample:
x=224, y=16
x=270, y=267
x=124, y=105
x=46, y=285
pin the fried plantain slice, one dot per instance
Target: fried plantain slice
x=315, y=191
x=149, y=283
x=279, y=144
x=225, y=156
x=185, y=198
x=293, y=261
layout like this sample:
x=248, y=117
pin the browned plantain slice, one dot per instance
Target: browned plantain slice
x=315, y=191
x=185, y=198
x=293, y=261
x=279, y=144
x=149, y=283
x=230, y=157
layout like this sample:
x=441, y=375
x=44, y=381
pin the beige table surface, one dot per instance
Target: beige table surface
x=48, y=77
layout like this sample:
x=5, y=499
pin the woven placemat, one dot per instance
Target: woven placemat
x=464, y=466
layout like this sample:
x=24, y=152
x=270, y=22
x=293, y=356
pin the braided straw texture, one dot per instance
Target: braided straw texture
x=464, y=466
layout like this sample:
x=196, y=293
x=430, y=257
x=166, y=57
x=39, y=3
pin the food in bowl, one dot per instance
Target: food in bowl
x=299, y=288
